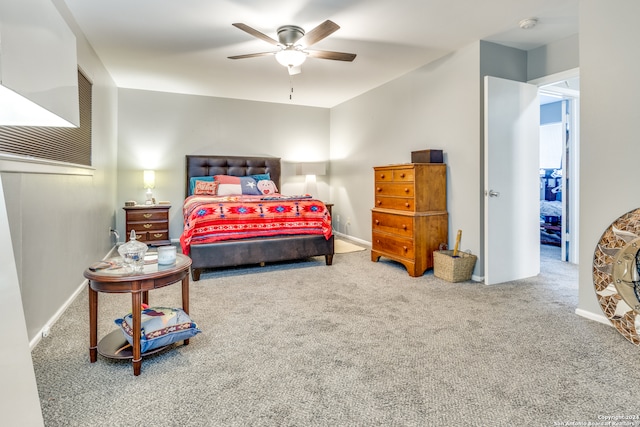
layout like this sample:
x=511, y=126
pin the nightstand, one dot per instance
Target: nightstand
x=329, y=207
x=151, y=223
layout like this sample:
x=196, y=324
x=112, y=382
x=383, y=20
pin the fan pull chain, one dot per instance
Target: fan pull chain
x=291, y=87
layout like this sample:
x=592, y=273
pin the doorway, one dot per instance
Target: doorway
x=559, y=96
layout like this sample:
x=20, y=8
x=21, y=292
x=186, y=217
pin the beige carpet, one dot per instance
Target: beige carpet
x=344, y=247
x=357, y=343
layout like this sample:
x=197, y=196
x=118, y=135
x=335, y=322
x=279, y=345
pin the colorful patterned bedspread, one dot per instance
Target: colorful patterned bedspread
x=209, y=219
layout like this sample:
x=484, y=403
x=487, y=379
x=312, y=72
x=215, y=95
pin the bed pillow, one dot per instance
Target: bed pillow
x=194, y=179
x=267, y=187
x=261, y=176
x=249, y=186
x=160, y=326
x=206, y=188
x=230, y=185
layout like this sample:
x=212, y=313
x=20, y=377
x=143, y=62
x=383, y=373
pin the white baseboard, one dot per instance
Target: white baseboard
x=593, y=316
x=353, y=239
x=47, y=326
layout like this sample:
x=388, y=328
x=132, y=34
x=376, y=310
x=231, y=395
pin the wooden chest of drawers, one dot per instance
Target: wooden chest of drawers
x=409, y=220
x=150, y=222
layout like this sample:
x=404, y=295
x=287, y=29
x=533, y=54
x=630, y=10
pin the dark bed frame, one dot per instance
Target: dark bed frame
x=233, y=253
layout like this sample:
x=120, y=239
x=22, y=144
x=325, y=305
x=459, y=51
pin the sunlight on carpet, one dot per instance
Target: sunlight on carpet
x=343, y=247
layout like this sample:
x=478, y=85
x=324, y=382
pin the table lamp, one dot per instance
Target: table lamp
x=311, y=170
x=149, y=181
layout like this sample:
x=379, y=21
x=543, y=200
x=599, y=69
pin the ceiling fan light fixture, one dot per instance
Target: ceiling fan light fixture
x=290, y=57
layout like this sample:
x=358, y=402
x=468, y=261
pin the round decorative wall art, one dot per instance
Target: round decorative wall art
x=616, y=274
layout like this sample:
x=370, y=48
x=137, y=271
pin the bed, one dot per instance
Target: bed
x=232, y=252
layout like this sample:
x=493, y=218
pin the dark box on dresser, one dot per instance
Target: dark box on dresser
x=426, y=156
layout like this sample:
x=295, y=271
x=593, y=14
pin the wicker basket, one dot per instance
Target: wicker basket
x=453, y=269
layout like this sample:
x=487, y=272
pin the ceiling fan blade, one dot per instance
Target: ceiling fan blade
x=318, y=33
x=251, y=55
x=336, y=56
x=256, y=33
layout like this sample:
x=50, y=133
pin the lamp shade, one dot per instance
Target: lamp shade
x=311, y=168
x=149, y=179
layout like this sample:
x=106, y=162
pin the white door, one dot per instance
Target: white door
x=511, y=178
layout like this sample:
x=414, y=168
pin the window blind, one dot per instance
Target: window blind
x=69, y=145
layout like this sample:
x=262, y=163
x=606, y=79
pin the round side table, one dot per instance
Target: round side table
x=117, y=279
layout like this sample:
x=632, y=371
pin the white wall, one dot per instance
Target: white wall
x=156, y=130
x=434, y=107
x=610, y=126
x=59, y=222
x=552, y=58
x=53, y=224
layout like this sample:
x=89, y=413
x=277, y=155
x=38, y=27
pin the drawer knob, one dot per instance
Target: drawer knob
x=405, y=248
x=148, y=225
x=402, y=175
x=378, y=189
x=147, y=215
x=378, y=202
x=407, y=204
x=404, y=227
x=406, y=190
x=377, y=222
x=382, y=176
x=157, y=235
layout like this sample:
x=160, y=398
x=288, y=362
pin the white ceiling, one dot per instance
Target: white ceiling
x=182, y=45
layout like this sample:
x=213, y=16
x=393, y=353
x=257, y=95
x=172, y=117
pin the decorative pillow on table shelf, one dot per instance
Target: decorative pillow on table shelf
x=228, y=185
x=194, y=179
x=267, y=187
x=161, y=326
x=206, y=188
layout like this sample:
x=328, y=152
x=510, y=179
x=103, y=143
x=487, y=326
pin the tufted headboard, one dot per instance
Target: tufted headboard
x=231, y=165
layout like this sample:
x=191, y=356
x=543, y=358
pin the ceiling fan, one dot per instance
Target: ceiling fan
x=293, y=44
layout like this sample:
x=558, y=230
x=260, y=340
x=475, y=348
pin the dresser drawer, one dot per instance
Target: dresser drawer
x=395, y=224
x=148, y=215
x=394, y=245
x=384, y=176
x=398, y=203
x=404, y=175
x=393, y=189
x=395, y=175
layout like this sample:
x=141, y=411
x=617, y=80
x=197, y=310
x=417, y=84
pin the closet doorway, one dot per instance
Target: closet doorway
x=559, y=154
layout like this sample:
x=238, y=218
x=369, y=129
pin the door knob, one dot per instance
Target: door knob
x=492, y=193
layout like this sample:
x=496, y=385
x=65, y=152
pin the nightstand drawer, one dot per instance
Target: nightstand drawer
x=398, y=203
x=147, y=215
x=153, y=236
x=394, y=245
x=144, y=227
x=401, y=190
x=394, y=224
